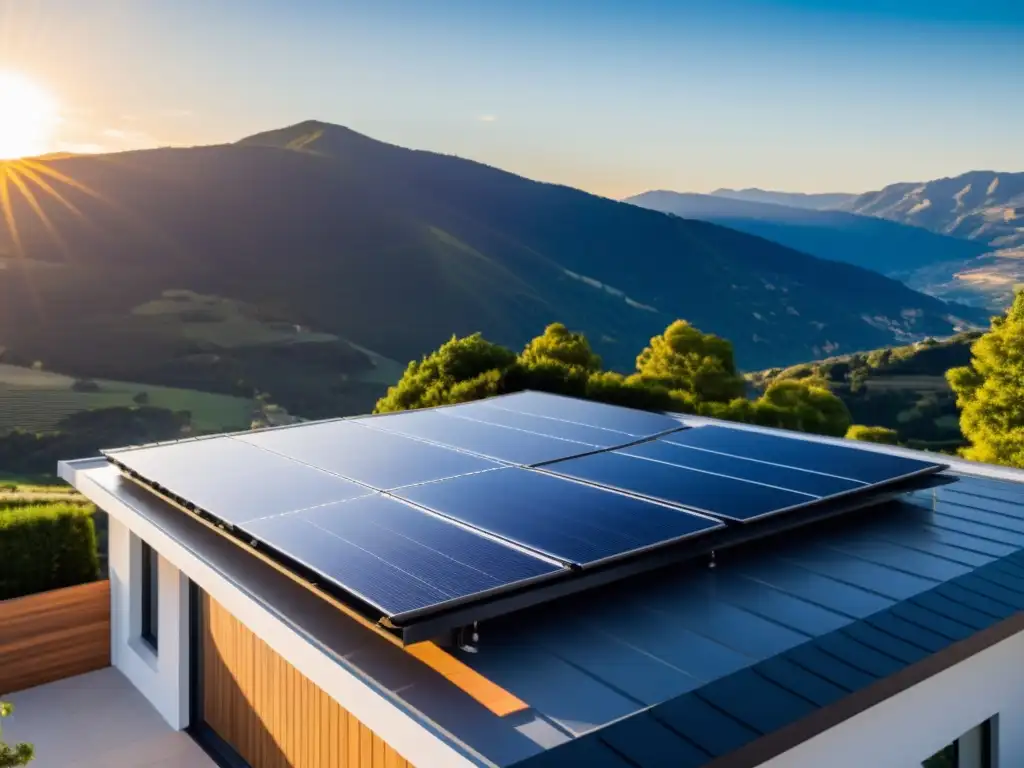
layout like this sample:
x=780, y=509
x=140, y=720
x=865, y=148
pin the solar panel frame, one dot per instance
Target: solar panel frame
x=600, y=437
x=353, y=461
x=420, y=624
x=431, y=422
x=678, y=503
x=447, y=597
x=525, y=402
x=476, y=515
x=692, y=437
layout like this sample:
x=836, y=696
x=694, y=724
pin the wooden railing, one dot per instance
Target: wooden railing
x=53, y=635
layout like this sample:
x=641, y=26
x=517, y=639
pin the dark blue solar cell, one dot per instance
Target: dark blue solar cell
x=853, y=463
x=395, y=557
x=615, y=417
x=735, y=499
x=510, y=445
x=570, y=521
x=744, y=469
x=567, y=430
x=235, y=481
x=379, y=459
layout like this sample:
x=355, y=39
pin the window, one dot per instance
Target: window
x=150, y=595
x=972, y=750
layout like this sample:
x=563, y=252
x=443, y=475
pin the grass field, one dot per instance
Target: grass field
x=37, y=400
x=223, y=322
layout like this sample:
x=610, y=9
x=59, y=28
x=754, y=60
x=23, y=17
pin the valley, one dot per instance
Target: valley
x=311, y=263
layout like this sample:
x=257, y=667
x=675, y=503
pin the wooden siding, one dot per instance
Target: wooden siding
x=270, y=713
x=53, y=635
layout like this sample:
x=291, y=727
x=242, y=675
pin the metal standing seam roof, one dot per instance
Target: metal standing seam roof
x=690, y=666
x=684, y=668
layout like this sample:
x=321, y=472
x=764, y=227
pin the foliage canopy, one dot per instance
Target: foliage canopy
x=13, y=756
x=990, y=391
x=681, y=370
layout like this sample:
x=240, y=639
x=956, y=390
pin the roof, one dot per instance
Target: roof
x=695, y=662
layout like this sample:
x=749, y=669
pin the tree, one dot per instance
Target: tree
x=810, y=406
x=17, y=755
x=990, y=391
x=141, y=398
x=682, y=371
x=560, y=345
x=700, y=364
x=460, y=368
x=882, y=435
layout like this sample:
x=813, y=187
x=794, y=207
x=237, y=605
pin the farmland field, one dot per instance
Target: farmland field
x=36, y=400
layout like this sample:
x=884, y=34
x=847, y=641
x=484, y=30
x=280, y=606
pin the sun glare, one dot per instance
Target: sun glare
x=28, y=117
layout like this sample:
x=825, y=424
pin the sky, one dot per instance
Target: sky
x=612, y=96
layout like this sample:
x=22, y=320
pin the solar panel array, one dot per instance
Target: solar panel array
x=416, y=513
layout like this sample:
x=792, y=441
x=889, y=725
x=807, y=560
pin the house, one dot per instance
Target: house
x=657, y=591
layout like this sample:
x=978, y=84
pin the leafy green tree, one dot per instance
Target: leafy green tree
x=882, y=435
x=809, y=407
x=464, y=365
x=687, y=360
x=990, y=391
x=682, y=371
x=18, y=754
x=560, y=345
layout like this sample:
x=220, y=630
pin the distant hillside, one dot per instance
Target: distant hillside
x=814, y=202
x=299, y=261
x=887, y=247
x=983, y=206
x=903, y=388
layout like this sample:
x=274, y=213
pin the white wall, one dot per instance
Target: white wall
x=161, y=676
x=904, y=730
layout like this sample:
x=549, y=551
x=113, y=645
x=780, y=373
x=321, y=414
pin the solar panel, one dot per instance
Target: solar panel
x=489, y=440
x=569, y=521
x=839, y=461
x=614, y=417
x=235, y=481
x=378, y=459
x=790, y=478
x=396, y=558
x=721, y=496
x=418, y=520
x=567, y=430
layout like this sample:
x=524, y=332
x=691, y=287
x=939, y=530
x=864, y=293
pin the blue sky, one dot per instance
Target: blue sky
x=614, y=96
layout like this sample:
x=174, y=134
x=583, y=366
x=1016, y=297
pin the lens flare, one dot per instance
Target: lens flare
x=28, y=117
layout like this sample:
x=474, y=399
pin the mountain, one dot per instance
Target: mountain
x=884, y=246
x=983, y=206
x=814, y=202
x=313, y=261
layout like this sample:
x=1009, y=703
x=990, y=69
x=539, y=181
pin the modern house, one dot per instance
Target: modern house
x=538, y=581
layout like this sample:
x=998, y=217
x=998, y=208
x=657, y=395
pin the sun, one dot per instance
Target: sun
x=28, y=117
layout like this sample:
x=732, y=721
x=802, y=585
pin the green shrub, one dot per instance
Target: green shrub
x=46, y=546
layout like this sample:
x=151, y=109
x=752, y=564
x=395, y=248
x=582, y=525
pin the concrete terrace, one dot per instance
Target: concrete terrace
x=97, y=720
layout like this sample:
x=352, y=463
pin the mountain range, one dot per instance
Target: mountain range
x=981, y=206
x=810, y=201
x=188, y=266
x=885, y=246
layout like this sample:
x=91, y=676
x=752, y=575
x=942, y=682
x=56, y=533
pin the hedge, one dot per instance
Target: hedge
x=46, y=546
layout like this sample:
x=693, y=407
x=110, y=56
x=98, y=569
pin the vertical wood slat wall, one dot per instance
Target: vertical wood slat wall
x=270, y=713
x=53, y=635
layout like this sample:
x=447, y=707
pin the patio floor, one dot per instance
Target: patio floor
x=97, y=720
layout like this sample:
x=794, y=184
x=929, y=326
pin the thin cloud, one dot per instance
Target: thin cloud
x=129, y=139
x=85, y=148
x=488, y=118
